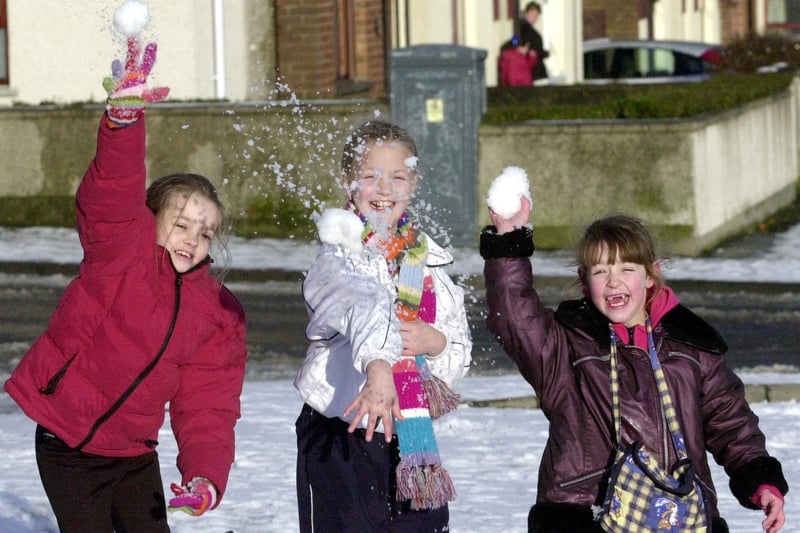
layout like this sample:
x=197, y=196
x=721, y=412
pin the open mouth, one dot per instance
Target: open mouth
x=183, y=254
x=382, y=205
x=615, y=301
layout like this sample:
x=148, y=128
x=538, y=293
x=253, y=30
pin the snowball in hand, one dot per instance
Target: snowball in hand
x=339, y=226
x=506, y=191
x=131, y=18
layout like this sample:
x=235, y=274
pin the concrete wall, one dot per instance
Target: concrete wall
x=270, y=149
x=695, y=181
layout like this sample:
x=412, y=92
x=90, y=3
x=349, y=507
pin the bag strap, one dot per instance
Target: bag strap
x=667, y=407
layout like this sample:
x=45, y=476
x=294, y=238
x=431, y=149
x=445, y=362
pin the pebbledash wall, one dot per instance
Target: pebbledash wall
x=695, y=181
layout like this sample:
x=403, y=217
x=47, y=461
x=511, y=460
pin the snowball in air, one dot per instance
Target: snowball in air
x=339, y=226
x=131, y=18
x=507, y=190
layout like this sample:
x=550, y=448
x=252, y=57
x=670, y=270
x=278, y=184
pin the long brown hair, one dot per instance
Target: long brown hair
x=627, y=238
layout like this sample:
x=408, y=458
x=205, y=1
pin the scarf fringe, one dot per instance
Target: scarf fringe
x=426, y=486
x=441, y=398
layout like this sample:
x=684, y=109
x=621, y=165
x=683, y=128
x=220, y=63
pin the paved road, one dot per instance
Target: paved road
x=759, y=321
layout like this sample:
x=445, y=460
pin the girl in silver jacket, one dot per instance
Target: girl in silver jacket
x=380, y=306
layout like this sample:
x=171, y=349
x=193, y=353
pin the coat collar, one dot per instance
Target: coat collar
x=679, y=323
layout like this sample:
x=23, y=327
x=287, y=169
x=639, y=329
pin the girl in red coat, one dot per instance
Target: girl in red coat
x=516, y=63
x=143, y=325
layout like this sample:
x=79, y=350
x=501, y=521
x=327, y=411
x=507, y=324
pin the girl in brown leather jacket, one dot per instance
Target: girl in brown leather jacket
x=565, y=355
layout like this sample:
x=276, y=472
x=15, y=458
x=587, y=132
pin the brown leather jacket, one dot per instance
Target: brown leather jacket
x=564, y=355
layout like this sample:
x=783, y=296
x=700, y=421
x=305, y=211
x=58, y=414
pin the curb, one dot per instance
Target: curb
x=783, y=392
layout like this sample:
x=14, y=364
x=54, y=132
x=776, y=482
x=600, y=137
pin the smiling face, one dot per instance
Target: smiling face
x=384, y=182
x=619, y=289
x=186, y=226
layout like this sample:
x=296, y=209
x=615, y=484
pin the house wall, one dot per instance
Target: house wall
x=264, y=42
x=305, y=35
x=615, y=19
x=60, y=53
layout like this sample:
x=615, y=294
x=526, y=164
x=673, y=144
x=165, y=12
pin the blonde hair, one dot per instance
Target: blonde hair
x=161, y=190
x=368, y=133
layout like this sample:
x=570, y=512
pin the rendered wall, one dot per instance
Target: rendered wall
x=695, y=181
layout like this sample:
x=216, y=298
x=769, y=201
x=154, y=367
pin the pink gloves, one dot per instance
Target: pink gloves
x=127, y=88
x=196, y=498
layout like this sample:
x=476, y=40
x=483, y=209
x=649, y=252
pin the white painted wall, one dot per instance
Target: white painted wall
x=751, y=154
x=561, y=26
x=59, y=51
x=473, y=24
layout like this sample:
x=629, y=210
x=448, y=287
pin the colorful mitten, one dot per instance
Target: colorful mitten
x=196, y=498
x=127, y=87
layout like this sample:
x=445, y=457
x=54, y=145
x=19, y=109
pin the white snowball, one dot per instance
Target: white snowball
x=339, y=226
x=506, y=191
x=131, y=18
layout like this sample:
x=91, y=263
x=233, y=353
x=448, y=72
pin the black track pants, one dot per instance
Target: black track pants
x=346, y=484
x=90, y=493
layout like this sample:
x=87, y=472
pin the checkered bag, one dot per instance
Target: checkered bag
x=642, y=497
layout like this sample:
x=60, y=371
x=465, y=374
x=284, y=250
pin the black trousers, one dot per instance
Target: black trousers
x=346, y=484
x=91, y=493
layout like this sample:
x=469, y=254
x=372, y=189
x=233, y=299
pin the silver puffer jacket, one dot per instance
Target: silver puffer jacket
x=350, y=298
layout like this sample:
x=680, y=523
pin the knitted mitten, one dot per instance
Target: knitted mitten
x=127, y=87
x=196, y=498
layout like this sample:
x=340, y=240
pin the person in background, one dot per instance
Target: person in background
x=529, y=34
x=143, y=325
x=564, y=355
x=388, y=337
x=516, y=64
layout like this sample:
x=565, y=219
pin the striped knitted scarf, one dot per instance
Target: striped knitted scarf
x=421, y=478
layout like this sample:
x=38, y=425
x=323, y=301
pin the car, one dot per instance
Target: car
x=642, y=61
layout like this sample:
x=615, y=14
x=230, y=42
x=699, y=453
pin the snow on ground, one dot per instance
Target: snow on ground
x=492, y=453
x=780, y=263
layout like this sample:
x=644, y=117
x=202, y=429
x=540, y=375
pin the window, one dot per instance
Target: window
x=784, y=15
x=3, y=44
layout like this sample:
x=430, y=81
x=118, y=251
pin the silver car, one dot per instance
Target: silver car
x=638, y=61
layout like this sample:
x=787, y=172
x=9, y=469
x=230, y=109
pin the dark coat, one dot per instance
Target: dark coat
x=565, y=356
x=86, y=379
x=528, y=34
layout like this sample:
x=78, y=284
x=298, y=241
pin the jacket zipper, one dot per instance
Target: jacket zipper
x=143, y=374
x=54, y=381
x=582, y=478
x=665, y=434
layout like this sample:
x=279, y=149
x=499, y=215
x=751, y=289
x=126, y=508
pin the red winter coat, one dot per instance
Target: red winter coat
x=86, y=378
x=516, y=68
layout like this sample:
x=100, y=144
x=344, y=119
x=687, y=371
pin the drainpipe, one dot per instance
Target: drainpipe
x=219, y=51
